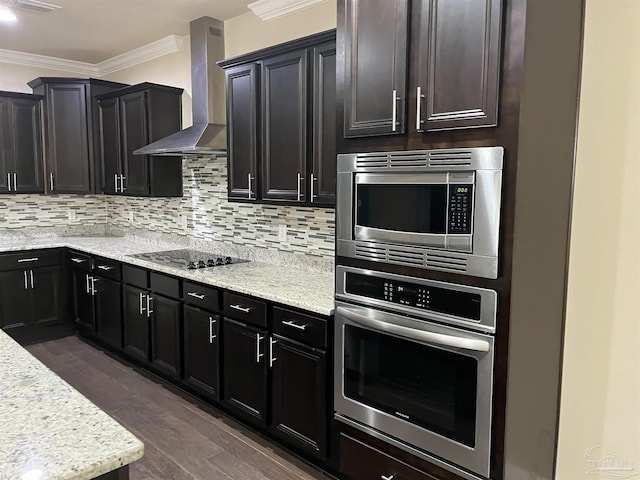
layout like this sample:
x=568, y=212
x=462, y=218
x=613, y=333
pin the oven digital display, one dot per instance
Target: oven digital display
x=442, y=300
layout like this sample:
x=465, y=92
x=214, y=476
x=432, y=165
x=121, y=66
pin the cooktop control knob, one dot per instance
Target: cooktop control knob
x=211, y=262
x=201, y=264
x=219, y=261
x=227, y=260
x=192, y=265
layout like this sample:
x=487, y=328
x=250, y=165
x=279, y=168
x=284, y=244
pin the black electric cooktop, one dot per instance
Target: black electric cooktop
x=188, y=259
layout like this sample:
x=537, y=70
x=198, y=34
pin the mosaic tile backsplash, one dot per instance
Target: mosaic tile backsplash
x=207, y=215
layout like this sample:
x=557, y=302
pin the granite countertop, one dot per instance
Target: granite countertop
x=50, y=431
x=304, y=289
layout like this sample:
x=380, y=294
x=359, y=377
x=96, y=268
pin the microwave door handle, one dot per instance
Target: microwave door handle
x=413, y=334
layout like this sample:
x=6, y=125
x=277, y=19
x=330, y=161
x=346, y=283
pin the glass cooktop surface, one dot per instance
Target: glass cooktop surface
x=188, y=259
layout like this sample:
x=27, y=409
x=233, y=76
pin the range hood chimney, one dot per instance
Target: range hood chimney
x=208, y=135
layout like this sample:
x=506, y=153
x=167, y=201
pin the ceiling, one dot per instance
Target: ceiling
x=95, y=30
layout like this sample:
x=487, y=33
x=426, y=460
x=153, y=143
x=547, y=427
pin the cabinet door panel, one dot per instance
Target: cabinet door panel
x=299, y=406
x=201, y=342
x=68, y=154
x=7, y=164
x=108, y=311
x=110, y=144
x=242, y=131
x=133, y=117
x=284, y=126
x=27, y=145
x=47, y=295
x=458, y=57
x=15, y=305
x=166, y=328
x=375, y=66
x=245, y=371
x=82, y=302
x=323, y=176
x=136, y=323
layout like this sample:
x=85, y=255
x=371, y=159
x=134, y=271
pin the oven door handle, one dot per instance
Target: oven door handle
x=414, y=334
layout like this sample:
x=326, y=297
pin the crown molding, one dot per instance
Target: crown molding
x=271, y=9
x=151, y=51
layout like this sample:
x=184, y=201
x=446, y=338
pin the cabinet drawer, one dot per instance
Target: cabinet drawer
x=245, y=309
x=29, y=259
x=201, y=296
x=359, y=461
x=165, y=285
x=300, y=327
x=107, y=268
x=81, y=261
x=136, y=276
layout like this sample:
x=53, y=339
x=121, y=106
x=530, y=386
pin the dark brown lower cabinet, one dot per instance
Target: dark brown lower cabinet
x=136, y=323
x=108, y=311
x=14, y=312
x=166, y=327
x=245, y=367
x=83, y=316
x=299, y=395
x=201, y=352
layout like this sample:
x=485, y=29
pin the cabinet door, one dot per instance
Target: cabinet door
x=7, y=164
x=166, y=329
x=322, y=180
x=82, y=301
x=110, y=145
x=15, y=307
x=108, y=311
x=457, y=52
x=136, y=323
x=27, y=145
x=67, y=147
x=284, y=126
x=201, y=340
x=134, y=123
x=299, y=395
x=245, y=371
x=375, y=67
x=47, y=295
x=242, y=131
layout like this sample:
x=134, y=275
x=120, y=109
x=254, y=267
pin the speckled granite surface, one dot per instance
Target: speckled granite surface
x=50, y=431
x=309, y=290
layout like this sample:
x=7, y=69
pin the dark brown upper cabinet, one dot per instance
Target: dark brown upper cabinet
x=450, y=57
x=72, y=140
x=131, y=118
x=20, y=143
x=281, y=123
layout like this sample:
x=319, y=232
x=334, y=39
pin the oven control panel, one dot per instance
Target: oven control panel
x=460, y=207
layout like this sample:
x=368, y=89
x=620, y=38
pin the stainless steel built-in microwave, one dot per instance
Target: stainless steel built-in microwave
x=435, y=209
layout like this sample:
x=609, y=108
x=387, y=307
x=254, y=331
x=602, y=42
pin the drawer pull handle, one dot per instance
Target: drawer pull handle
x=242, y=309
x=105, y=267
x=24, y=260
x=195, y=295
x=78, y=260
x=390, y=477
x=290, y=323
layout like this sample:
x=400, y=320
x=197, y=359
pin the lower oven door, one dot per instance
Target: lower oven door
x=427, y=385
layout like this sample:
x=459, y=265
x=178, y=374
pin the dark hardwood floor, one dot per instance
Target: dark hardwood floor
x=182, y=442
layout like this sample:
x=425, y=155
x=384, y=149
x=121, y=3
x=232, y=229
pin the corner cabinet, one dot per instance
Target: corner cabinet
x=20, y=143
x=72, y=132
x=131, y=118
x=281, y=123
x=451, y=58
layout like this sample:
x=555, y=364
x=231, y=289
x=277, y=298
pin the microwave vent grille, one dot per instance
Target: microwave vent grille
x=444, y=261
x=372, y=161
x=447, y=262
x=459, y=158
x=402, y=160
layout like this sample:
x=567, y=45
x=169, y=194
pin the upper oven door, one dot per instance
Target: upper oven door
x=426, y=209
x=427, y=385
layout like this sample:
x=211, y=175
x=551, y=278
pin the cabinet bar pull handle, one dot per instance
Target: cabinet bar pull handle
x=211, y=324
x=313, y=179
x=300, y=178
x=15, y=182
x=86, y=276
x=122, y=179
x=26, y=285
x=51, y=181
x=105, y=267
x=93, y=285
x=242, y=309
x=141, y=305
x=394, y=111
x=115, y=181
x=249, y=179
x=258, y=354
x=25, y=260
x=390, y=477
x=9, y=181
x=419, y=121
x=272, y=342
x=31, y=275
x=149, y=311
x=194, y=294
x=290, y=323
x=78, y=260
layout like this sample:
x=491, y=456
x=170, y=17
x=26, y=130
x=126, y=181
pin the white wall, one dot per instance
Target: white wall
x=600, y=403
x=14, y=78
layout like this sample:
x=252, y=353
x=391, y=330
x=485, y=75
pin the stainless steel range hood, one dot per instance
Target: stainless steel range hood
x=208, y=135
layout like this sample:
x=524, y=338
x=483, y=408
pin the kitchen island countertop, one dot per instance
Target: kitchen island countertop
x=48, y=430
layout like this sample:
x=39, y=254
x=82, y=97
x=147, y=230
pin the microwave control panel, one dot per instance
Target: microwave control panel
x=460, y=208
